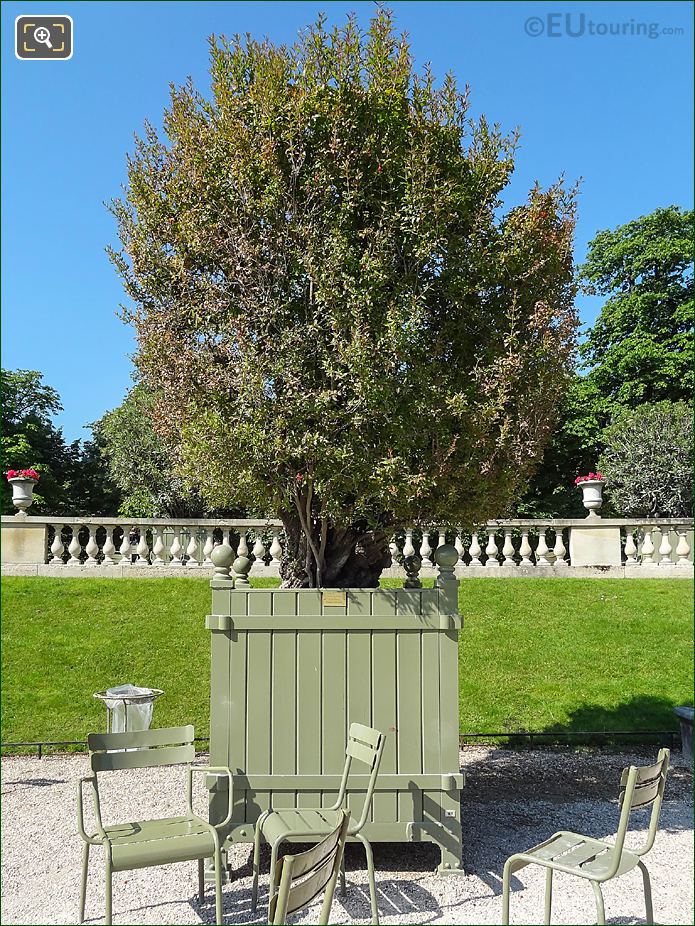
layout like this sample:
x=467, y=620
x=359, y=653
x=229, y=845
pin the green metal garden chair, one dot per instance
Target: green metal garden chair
x=364, y=745
x=318, y=870
x=149, y=842
x=593, y=859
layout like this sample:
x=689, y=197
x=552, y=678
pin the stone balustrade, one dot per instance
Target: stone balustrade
x=165, y=546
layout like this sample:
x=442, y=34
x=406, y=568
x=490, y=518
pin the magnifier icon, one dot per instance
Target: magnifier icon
x=43, y=36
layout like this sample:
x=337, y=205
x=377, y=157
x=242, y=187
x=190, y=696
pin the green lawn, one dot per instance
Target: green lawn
x=535, y=654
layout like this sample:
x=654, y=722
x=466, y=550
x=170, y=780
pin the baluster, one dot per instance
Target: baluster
x=258, y=551
x=57, y=547
x=475, y=550
x=508, y=549
x=426, y=550
x=665, y=547
x=460, y=549
x=92, y=547
x=647, y=547
x=542, y=550
x=192, y=549
x=491, y=548
x=208, y=547
x=630, y=547
x=143, y=548
x=228, y=541
x=394, y=551
x=559, y=549
x=126, y=556
x=158, y=546
x=243, y=548
x=276, y=548
x=525, y=549
x=441, y=539
x=176, y=548
x=109, y=548
x=683, y=547
x=75, y=547
x=408, y=548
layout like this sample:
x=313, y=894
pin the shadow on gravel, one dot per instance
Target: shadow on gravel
x=396, y=897
x=560, y=776
x=22, y=783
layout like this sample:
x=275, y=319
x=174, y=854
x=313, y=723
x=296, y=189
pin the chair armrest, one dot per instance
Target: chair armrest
x=206, y=769
x=97, y=812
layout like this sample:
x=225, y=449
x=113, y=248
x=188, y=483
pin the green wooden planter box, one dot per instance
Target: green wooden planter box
x=291, y=669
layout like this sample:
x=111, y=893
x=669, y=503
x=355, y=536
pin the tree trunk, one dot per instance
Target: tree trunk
x=352, y=556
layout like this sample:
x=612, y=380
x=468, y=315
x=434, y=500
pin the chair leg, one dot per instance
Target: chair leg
x=343, y=883
x=201, y=880
x=370, y=873
x=600, y=910
x=548, y=895
x=647, y=892
x=218, y=886
x=273, y=865
x=109, y=877
x=506, y=878
x=83, y=885
x=256, y=866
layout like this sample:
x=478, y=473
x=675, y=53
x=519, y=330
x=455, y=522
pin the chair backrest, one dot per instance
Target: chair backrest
x=303, y=877
x=143, y=749
x=364, y=744
x=642, y=786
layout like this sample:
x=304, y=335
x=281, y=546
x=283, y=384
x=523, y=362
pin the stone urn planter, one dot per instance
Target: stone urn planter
x=292, y=668
x=22, y=490
x=592, y=492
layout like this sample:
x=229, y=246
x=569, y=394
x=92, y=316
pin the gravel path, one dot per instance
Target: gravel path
x=511, y=801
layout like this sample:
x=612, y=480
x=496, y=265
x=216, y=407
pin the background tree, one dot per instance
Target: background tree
x=73, y=476
x=639, y=350
x=648, y=461
x=139, y=464
x=340, y=324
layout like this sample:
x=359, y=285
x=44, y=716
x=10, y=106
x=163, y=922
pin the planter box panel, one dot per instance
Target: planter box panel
x=291, y=671
x=333, y=701
x=431, y=718
x=283, y=722
x=308, y=703
x=359, y=694
x=258, y=736
x=409, y=701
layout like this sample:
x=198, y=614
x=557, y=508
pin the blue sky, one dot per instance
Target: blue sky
x=613, y=110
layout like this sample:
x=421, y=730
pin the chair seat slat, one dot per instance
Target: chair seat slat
x=142, y=758
x=556, y=847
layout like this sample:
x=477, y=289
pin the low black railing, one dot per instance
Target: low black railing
x=597, y=738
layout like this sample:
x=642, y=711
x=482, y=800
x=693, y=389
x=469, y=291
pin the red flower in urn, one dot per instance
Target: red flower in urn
x=590, y=477
x=23, y=474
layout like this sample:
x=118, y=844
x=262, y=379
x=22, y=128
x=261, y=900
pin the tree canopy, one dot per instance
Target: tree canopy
x=140, y=464
x=638, y=351
x=648, y=461
x=73, y=476
x=340, y=323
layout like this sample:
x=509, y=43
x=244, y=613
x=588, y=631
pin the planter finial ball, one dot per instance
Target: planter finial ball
x=242, y=567
x=222, y=556
x=446, y=556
